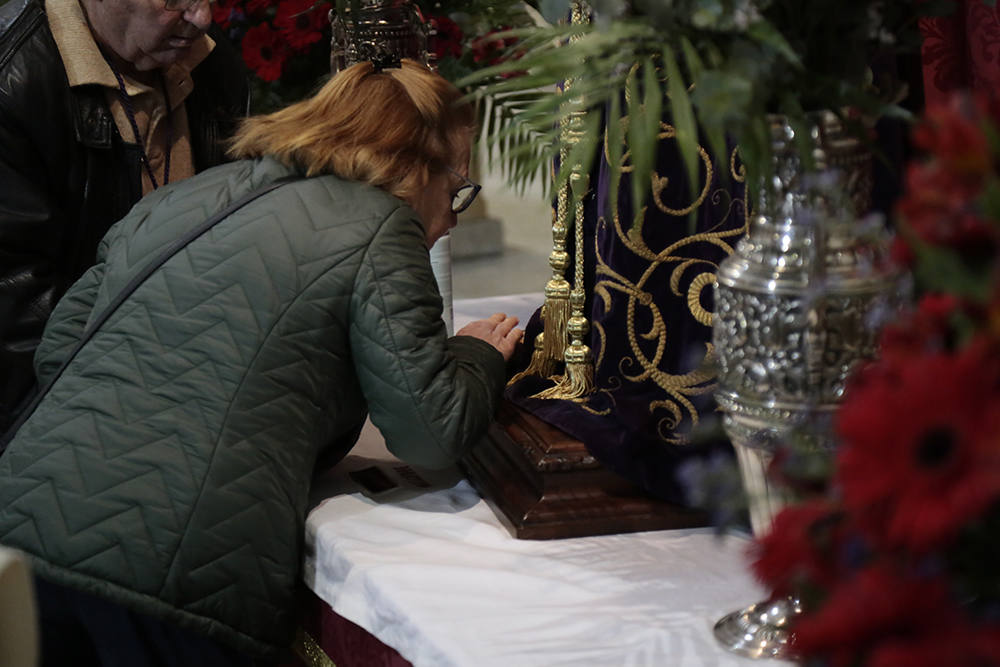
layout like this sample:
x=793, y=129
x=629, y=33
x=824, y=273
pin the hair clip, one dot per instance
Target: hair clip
x=380, y=57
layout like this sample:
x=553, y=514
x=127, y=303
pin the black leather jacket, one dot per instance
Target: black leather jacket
x=66, y=175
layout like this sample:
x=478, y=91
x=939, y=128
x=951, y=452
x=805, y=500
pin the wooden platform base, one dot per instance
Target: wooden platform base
x=543, y=484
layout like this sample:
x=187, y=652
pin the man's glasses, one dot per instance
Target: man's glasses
x=182, y=5
x=463, y=197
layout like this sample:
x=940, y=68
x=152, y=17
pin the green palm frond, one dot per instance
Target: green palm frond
x=717, y=67
x=598, y=77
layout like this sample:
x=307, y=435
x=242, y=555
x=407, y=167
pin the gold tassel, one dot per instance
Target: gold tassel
x=556, y=316
x=540, y=364
x=550, y=345
x=578, y=380
x=555, y=312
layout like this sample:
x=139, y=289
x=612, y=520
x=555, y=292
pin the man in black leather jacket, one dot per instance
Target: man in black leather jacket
x=68, y=170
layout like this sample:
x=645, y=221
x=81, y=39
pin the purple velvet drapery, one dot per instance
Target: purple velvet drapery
x=649, y=299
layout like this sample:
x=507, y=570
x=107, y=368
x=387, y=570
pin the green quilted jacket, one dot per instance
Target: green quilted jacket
x=168, y=467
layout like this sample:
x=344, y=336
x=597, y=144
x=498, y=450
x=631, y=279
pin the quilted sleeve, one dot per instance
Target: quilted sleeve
x=431, y=397
x=65, y=326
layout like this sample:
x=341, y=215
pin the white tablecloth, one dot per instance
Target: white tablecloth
x=432, y=573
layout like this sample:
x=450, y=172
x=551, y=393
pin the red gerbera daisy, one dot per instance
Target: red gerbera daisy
x=224, y=12
x=877, y=607
x=301, y=22
x=264, y=52
x=991, y=317
x=447, y=38
x=489, y=48
x=920, y=452
x=942, y=201
x=801, y=550
x=955, y=136
x=928, y=329
x=258, y=7
x=961, y=642
x=939, y=208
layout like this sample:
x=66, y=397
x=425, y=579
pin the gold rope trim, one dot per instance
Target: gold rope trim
x=578, y=380
x=310, y=652
x=702, y=281
x=562, y=314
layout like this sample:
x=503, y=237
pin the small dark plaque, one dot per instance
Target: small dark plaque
x=543, y=484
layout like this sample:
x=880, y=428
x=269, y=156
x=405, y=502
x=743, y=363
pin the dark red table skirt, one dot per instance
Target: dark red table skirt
x=327, y=639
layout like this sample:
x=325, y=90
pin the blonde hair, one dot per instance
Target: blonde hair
x=391, y=129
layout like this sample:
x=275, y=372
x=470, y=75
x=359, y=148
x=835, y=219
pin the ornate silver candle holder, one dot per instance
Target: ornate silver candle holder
x=797, y=306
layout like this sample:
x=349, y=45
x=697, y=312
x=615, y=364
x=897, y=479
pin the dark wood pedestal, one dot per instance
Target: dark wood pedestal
x=543, y=484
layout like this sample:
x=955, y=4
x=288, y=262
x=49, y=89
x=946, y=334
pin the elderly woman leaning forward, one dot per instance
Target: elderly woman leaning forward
x=160, y=484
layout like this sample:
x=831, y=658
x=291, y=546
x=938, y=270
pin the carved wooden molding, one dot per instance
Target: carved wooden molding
x=543, y=484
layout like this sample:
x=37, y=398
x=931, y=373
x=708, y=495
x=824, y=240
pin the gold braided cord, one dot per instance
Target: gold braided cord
x=578, y=380
x=642, y=363
x=550, y=346
x=555, y=311
x=647, y=331
x=638, y=247
x=739, y=175
x=603, y=337
x=310, y=652
x=660, y=183
x=702, y=281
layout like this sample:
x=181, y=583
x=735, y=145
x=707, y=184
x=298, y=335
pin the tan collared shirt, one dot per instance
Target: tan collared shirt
x=85, y=65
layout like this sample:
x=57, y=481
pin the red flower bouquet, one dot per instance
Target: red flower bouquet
x=265, y=52
x=286, y=43
x=897, y=562
x=464, y=33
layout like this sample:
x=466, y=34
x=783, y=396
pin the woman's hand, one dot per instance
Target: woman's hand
x=498, y=330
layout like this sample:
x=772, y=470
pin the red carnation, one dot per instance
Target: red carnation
x=264, y=52
x=447, y=38
x=920, y=453
x=301, y=22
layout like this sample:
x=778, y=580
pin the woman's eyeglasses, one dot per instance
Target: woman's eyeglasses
x=463, y=197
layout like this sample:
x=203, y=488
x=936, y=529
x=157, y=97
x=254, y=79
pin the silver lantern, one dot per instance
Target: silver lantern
x=381, y=26
x=797, y=308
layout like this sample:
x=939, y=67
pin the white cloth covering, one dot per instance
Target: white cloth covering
x=441, y=266
x=432, y=573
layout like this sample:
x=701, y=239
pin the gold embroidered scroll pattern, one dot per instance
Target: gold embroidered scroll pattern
x=648, y=347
